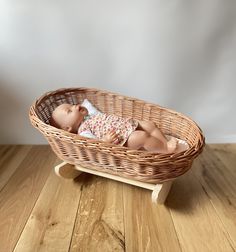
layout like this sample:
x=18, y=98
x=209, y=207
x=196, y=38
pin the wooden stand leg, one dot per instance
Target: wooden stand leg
x=66, y=170
x=160, y=192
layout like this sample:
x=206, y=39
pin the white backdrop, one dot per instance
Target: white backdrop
x=180, y=54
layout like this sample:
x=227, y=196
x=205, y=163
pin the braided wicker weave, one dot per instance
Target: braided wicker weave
x=118, y=160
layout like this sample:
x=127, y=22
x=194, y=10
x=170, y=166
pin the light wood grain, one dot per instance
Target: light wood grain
x=8, y=164
x=219, y=186
x=42, y=212
x=19, y=195
x=99, y=225
x=148, y=227
x=197, y=224
x=226, y=153
x=50, y=225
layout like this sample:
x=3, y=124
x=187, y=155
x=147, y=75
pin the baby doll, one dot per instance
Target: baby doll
x=134, y=134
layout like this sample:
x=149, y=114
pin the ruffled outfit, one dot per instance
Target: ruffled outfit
x=99, y=125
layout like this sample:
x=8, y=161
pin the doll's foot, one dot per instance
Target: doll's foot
x=172, y=145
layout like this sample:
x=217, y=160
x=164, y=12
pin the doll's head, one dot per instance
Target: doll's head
x=68, y=117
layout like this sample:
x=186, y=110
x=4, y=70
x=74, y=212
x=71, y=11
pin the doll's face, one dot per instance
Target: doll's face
x=68, y=117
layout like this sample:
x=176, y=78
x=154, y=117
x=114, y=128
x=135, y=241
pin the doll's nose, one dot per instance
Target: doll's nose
x=77, y=107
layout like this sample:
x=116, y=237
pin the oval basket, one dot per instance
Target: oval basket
x=118, y=160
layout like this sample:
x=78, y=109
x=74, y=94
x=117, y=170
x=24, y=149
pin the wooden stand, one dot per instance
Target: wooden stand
x=159, y=191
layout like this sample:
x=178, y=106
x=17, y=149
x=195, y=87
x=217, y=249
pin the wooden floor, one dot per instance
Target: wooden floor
x=42, y=212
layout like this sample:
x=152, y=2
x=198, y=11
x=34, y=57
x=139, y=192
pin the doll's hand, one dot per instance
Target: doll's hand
x=111, y=137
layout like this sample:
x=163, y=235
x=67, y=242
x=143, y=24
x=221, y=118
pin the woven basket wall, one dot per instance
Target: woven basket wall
x=113, y=159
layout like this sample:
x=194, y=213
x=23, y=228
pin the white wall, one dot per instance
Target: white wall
x=180, y=54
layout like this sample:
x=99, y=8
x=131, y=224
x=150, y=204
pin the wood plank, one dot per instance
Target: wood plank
x=196, y=222
x=50, y=225
x=199, y=214
x=19, y=195
x=219, y=185
x=10, y=158
x=227, y=154
x=99, y=224
x=148, y=227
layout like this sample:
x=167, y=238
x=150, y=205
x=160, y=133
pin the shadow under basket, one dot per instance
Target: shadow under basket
x=113, y=159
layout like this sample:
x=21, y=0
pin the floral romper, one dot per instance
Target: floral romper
x=99, y=125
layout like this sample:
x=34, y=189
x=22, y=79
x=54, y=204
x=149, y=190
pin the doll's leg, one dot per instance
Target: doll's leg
x=152, y=129
x=140, y=139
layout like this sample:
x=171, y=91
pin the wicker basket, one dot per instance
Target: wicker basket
x=118, y=160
